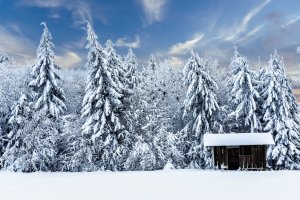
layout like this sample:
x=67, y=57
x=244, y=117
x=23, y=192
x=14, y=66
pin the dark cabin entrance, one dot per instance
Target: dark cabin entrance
x=233, y=158
x=240, y=157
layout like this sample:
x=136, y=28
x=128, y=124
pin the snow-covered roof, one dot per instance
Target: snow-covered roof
x=237, y=139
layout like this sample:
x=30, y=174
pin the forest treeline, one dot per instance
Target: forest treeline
x=114, y=115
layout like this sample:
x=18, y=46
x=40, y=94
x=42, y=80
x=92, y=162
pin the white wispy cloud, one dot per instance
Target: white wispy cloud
x=80, y=9
x=298, y=49
x=124, y=42
x=54, y=15
x=153, y=9
x=67, y=59
x=243, y=26
x=181, y=48
x=291, y=21
x=78, y=44
x=176, y=62
x=16, y=44
x=251, y=33
x=43, y=3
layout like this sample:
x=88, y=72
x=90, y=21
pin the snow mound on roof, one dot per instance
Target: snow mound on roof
x=237, y=139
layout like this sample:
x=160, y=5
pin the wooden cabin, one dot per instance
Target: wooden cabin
x=239, y=151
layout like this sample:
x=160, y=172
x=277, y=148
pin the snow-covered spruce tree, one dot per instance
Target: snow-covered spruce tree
x=281, y=117
x=37, y=148
x=85, y=157
x=102, y=106
x=19, y=116
x=73, y=84
x=49, y=97
x=171, y=88
x=200, y=107
x=121, y=77
x=130, y=83
x=70, y=145
x=242, y=96
x=34, y=147
x=152, y=63
x=17, y=121
x=4, y=58
x=153, y=100
x=9, y=94
x=218, y=74
x=141, y=156
x=33, y=141
x=168, y=144
x=130, y=66
x=115, y=64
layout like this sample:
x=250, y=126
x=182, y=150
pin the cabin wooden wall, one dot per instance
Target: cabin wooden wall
x=220, y=157
x=250, y=157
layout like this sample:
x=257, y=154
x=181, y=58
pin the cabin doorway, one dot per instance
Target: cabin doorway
x=233, y=158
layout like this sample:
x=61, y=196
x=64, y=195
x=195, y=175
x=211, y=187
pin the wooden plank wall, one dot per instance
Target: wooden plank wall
x=220, y=157
x=256, y=159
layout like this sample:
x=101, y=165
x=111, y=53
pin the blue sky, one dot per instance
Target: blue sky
x=166, y=28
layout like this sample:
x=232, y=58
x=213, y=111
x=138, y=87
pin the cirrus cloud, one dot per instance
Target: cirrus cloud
x=153, y=9
x=181, y=48
x=80, y=9
x=15, y=43
x=243, y=26
x=124, y=42
x=68, y=59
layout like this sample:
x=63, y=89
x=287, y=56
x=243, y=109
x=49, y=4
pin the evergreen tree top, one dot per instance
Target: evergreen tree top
x=238, y=62
x=49, y=97
x=131, y=54
x=109, y=47
x=131, y=58
x=92, y=39
x=45, y=47
x=3, y=57
x=235, y=52
x=276, y=62
x=152, y=62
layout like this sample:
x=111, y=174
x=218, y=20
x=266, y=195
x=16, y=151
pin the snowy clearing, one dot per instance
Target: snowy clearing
x=176, y=184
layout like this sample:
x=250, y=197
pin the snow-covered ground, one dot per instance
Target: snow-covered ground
x=157, y=185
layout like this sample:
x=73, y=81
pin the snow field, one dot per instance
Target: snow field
x=155, y=185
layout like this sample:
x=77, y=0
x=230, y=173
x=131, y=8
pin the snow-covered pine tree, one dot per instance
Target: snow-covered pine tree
x=141, y=157
x=200, y=106
x=261, y=70
x=49, y=97
x=153, y=145
x=35, y=147
x=71, y=139
x=70, y=145
x=155, y=100
x=102, y=106
x=4, y=57
x=281, y=116
x=115, y=64
x=123, y=111
x=168, y=145
x=243, y=96
x=130, y=65
x=131, y=81
x=19, y=116
x=9, y=94
x=33, y=141
x=152, y=63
